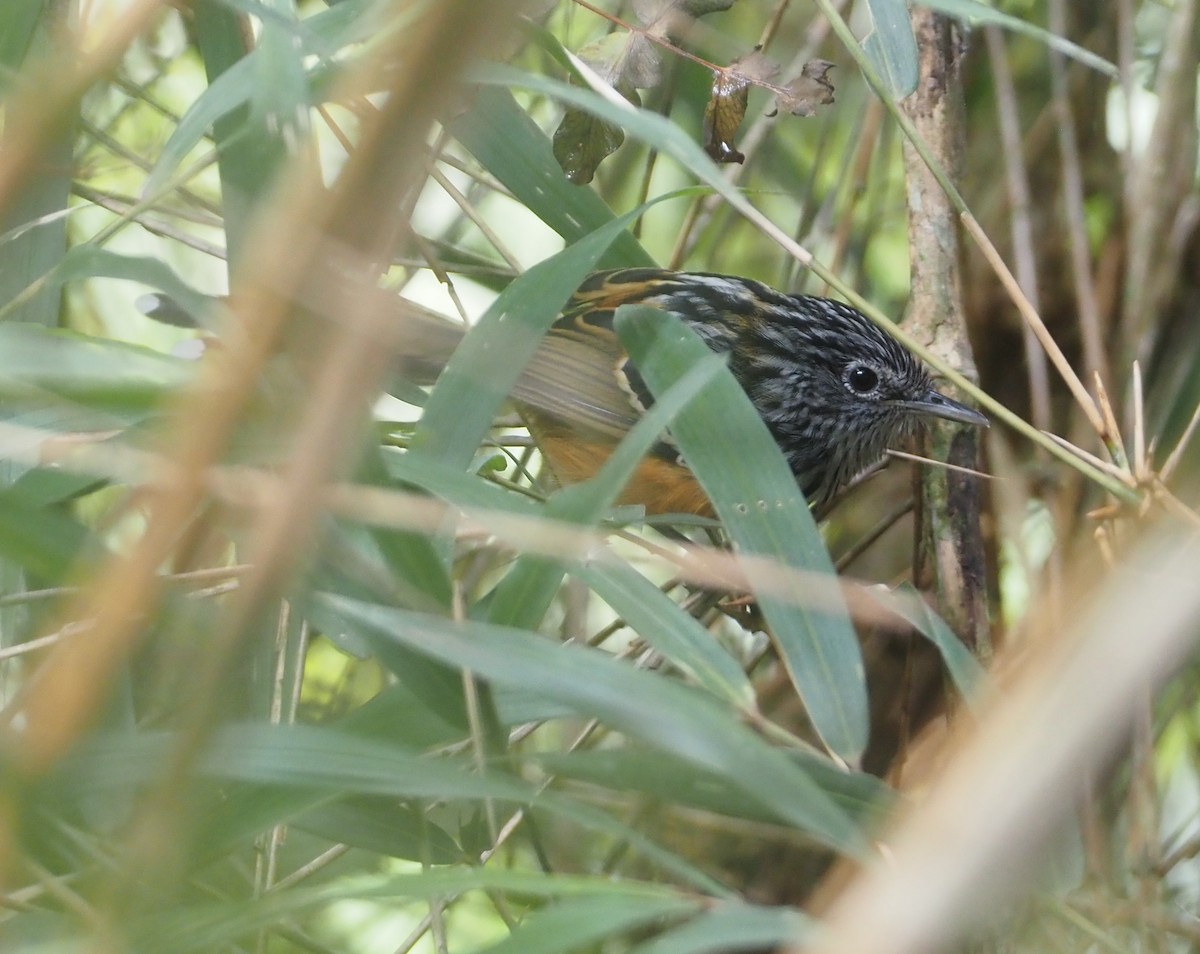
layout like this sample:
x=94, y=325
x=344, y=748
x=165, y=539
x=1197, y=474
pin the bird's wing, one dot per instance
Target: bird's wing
x=574, y=377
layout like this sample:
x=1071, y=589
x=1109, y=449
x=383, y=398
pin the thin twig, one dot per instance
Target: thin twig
x=1180, y=446
x=1022, y=225
x=1090, y=331
x=944, y=465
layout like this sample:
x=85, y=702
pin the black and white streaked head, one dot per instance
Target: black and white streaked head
x=835, y=390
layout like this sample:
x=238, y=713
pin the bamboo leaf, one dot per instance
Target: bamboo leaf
x=963, y=668
x=523, y=596
x=662, y=623
x=663, y=776
x=96, y=372
x=892, y=46
x=754, y=493
x=484, y=368
x=732, y=926
x=658, y=711
x=580, y=922
x=514, y=149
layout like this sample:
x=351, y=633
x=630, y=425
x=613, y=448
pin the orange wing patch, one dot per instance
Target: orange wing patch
x=659, y=485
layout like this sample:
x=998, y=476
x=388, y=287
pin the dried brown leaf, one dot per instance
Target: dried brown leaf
x=724, y=114
x=756, y=68
x=623, y=59
x=808, y=91
x=727, y=106
x=641, y=66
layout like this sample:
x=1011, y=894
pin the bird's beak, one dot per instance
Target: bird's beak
x=934, y=404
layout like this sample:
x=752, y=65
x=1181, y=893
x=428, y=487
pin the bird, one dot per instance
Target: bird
x=834, y=389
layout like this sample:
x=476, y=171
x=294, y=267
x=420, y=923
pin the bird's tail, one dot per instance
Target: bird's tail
x=423, y=340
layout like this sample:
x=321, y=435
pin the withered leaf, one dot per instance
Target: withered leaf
x=756, y=68
x=650, y=11
x=724, y=114
x=623, y=59
x=727, y=106
x=812, y=88
x=641, y=65
x=627, y=61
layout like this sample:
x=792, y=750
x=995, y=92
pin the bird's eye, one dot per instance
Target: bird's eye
x=862, y=379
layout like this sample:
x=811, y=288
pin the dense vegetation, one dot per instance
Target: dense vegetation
x=301, y=654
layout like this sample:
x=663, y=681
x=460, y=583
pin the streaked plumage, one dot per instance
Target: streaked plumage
x=834, y=390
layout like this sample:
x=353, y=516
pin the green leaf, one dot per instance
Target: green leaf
x=728, y=927
x=511, y=146
x=224, y=94
x=581, y=922
x=92, y=261
x=661, y=622
x=322, y=34
x=93, y=371
x=484, y=368
x=280, y=100
x=401, y=715
x=41, y=540
x=653, y=615
x=26, y=32
x=215, y=925
x=305, y=764
x=700, y=8
x=963, y=667
x=297, y=756
x=892, y=46
x=753, y=491
x=659, y=711
x=523, y=596
x=411, y=557
x=42, y=486
x=677, y=782
x=253, y=142
x=18, y=23
x=664, y=135
x=383, y=827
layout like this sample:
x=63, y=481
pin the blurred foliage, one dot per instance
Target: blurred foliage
x=299, y=655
